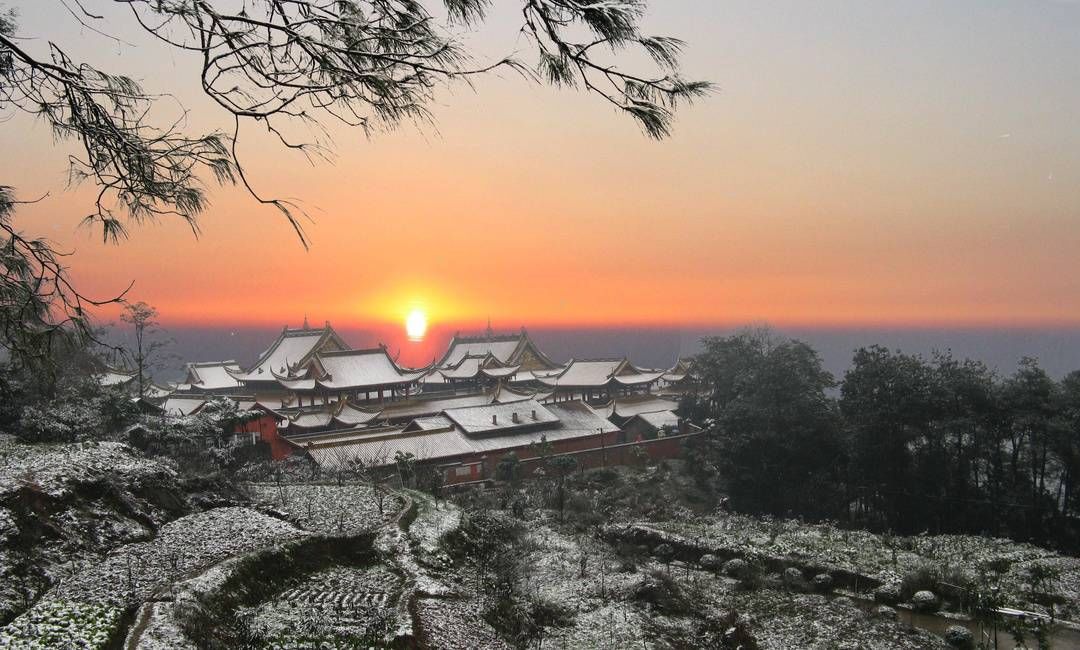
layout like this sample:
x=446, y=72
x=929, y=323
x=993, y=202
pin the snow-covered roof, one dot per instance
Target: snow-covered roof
x=154, y=391
x=311, y=420
x=507, y=349
x=586, y=372
x=495, y=417
x=352, y=369
x=580, y=418
x=291, y=348
x=499, y=373
x=500, y=347
x=213, y=375
x=625, y=407
x=350, y=415
x=600, y=372
x=113, y=377
x=658, y=419
x=638, y=378
x=430, y=423
x=505, y=394
x=466, y=368
x=182, y=405
x=525, y=376
x=572, y=420
x=407, y=410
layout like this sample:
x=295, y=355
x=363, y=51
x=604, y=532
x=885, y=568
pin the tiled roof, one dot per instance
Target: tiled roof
x=466, y=368
x=585, y=372
x=311, y=420
x=154, y=391
x=213, y=375
x=293, y=346
x=430, y=423
x=495, y=417
x=352, y=369
x=659, y=419
x=177, y=405
x=114, y=377
x=575, y=420
x=500, y=347
x=350, y=415
x=600, y=372
x=635, y=379
x=630, y=406
x=498, y=373
x=400, y=411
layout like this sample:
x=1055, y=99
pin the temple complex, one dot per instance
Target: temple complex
x=313, y=394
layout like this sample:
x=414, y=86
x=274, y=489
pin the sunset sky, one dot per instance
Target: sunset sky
x=863, y=163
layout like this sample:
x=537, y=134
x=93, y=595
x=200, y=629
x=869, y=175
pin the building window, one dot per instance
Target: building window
x=464, y=470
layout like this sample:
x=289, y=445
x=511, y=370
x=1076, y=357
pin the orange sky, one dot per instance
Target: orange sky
x=894, y=164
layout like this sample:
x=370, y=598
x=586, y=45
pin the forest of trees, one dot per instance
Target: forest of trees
x=901, y=443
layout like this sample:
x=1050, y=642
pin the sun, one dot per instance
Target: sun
x=416, y=324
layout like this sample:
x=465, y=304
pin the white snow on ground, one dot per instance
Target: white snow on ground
x=55, y=468
x=162, y=630
x=611, y=626
x=452, y=624
x=60, y=624
x=880, y=557
x=781, y=621
x=433, y=521
x=157, y=624
x=132, y=573
x=328, y=509
x=337, y=603
x=44, y=485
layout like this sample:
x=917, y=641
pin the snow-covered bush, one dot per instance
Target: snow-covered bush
x=199, y=443
x=822, y=583
x=793, y=579
x=889, y=594
x=959, y=636
x=738, y=568
x=924, y=601
x=884, y=611
x=710, y=562
x=80, y=410
x=62, y=624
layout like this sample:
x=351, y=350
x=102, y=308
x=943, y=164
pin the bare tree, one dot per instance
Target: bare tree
x=147, y=352
x=289, y=67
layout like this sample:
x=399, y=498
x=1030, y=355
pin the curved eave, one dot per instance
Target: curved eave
x=638, y=379
x=297, y=384
x=497, y=373
x=405, y=380
x=356, y=417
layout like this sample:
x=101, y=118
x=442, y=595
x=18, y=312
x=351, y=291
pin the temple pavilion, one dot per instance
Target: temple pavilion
x=489, y=359
x=600, y=380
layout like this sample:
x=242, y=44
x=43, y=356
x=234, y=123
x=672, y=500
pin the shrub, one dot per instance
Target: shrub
x=923, y=577
x=959, y=636
x=889, y=594
x=924, y=601
x=710, y=562
x=739, y=569
x=823, y=583
x=662, y=592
